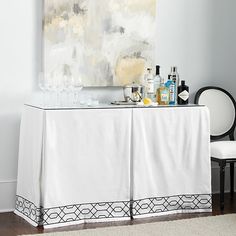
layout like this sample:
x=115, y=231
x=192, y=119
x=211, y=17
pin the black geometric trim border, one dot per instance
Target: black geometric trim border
x=29, y=209
x=109, y=210
x=172, y=203
x=70, y=213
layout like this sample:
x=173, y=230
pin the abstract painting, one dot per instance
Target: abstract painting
x=102, y=42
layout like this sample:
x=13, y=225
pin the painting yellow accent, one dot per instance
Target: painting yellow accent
x=135, y=6
x=129, y=70
x=147, y=5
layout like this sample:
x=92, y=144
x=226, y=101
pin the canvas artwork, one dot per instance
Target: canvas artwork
x=101, y=42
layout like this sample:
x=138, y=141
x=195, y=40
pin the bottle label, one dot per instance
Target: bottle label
x=173, y=78
x=172, y=93
x=184, y=95
x=164, y=97
x=150, y=87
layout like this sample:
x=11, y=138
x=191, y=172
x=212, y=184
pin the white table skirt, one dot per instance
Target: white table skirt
x=171, y=161
x=91, y=165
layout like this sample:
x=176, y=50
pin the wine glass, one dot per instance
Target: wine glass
x=77, y=87
x=42, y=86
x=68, y=87
x=56, y=86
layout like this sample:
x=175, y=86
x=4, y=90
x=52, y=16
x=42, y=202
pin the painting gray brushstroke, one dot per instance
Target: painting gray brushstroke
x=104, y=43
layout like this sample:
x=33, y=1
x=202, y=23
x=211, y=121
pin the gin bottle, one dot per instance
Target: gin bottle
x=149, y=84
x=183, y=93
x=170, y=84
x=163, y=94
x=157, y=81
x=174, y=76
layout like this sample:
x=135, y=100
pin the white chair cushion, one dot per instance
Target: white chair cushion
x=223, y=149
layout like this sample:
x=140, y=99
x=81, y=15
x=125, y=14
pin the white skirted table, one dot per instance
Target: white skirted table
x=112, y=163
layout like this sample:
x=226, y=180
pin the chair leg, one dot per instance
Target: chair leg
x=232, y=180
x=222, y=183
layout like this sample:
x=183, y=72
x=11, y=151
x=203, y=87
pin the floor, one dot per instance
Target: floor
x=12, y=225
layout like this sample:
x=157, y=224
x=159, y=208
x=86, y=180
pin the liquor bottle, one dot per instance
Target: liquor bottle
x=174, y=76
x=170, y=84
x=157, y=81
x=149, y=84
x=163, y=94
x=183, y=93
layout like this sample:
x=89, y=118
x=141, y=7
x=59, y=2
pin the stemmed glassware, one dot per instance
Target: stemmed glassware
x=46, y=84
x=56, y=87
x=54, y=84
x=42, y=85
x=68, y=87
x=77, y=87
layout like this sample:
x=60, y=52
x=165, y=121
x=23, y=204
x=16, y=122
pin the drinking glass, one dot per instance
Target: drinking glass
x=56, y=86
x=42, y=86
x=77, y=87
x=68, y=87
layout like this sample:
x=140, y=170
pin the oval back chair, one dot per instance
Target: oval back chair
x=222, y=107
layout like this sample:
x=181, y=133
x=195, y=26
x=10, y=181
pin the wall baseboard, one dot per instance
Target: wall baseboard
x=7, y=181
x=6, y=210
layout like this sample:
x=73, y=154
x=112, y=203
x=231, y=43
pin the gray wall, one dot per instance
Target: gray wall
x=17, y=70
x=197, y=36
x=223, y=47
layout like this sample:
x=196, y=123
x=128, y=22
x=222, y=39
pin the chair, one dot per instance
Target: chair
x=222, y=107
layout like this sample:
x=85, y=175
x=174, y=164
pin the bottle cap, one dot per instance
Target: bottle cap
x=174, y=69
x=183, y=82
x=157, y=70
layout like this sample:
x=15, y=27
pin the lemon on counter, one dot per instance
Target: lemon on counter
x=147, y=101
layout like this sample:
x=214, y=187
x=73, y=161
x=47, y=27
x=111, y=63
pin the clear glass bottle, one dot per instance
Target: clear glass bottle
x=149, y=84
x=163, y=94
x=157, y=81
x=170, y=84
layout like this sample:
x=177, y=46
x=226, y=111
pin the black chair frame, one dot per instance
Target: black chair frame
x=222, y=162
